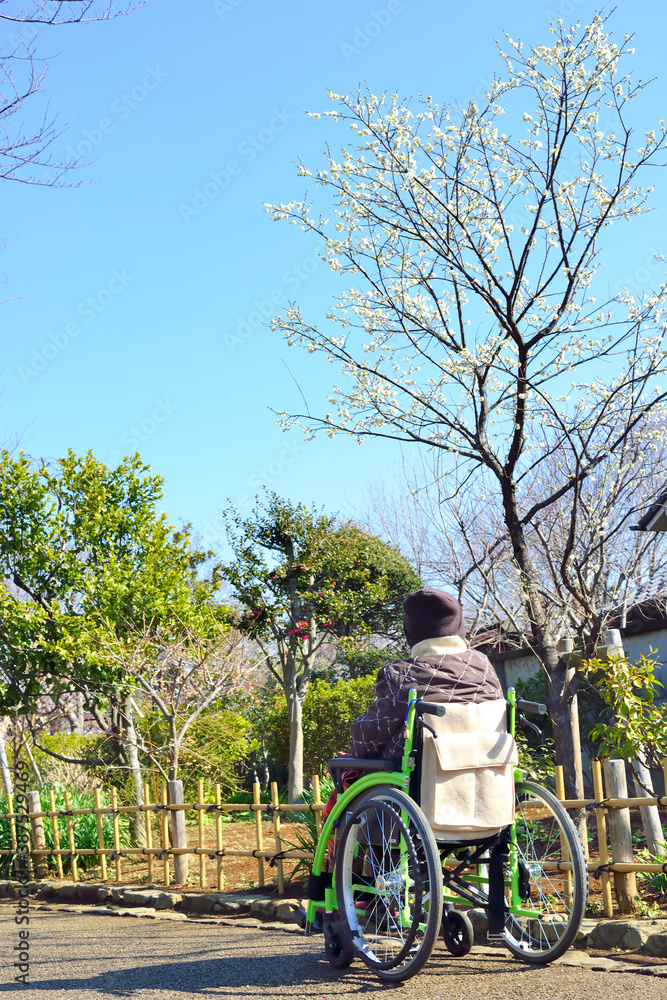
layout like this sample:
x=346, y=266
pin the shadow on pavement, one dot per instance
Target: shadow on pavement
x=249, y=975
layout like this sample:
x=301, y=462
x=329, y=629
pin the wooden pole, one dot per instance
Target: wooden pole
x=164, y=826
x=100, y=834
x=317, y=801
x=258, y=830
x=38, y=838
x=218, y=836
x=275, y=801
x=625, y=883
x=607, y=904
x=149, y=829
x=579, y=818
x=655, y=840
x=560, y=794
x=70, y=838
x=12, y=829
x=116, y=831
x=56, y=833
x=177, y=830
x=200, y=833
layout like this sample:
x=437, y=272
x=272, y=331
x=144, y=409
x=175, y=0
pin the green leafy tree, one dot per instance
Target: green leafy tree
x=303, y=579
x=629, y=690
x=329, y=711
x=81, y=544
x=214, y=749
x=86, y=552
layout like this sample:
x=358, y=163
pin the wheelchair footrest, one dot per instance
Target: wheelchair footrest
x=317, y=884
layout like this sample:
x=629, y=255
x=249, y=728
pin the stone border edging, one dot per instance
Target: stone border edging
x=153, y=898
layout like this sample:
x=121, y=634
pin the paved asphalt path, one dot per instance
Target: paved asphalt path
x=77, y=956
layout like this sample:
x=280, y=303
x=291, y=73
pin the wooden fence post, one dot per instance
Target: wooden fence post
x=218, y=836
x=70, y=838
x=607, y=904
x=258, y=830
x=38, y=839
x=149, y=830
x=177, y=829
x=56, y=833
x=275, y=802
x=317, y=800
x=200, y=833
x=164, y=827
x=655, y=840
x=12, y=830
x=116, y=832
x=616, y=787
x=560, y=795
x=100, y=834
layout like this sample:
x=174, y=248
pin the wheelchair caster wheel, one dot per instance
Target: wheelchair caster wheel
x=337, y=949
x=458, y=933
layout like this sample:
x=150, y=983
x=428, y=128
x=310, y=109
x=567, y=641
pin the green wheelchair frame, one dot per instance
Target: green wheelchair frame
x=531, y=878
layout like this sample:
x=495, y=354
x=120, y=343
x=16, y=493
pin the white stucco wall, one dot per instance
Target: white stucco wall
x=635, y=645
x=524, y=667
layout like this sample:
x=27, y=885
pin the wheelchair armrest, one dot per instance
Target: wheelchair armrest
x=339, y=764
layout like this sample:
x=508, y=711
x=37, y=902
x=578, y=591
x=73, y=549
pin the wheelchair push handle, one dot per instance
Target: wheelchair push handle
x=430, y=708
x=535, y=707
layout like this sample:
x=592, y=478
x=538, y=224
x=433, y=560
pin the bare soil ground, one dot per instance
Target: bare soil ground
x=239, y=874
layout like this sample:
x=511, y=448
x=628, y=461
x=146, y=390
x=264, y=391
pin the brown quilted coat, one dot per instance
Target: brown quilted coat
x=464, y=675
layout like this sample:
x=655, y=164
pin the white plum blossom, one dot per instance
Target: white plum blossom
x=472, y=319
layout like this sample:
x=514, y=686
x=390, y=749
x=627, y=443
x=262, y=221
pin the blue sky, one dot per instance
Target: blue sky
x=133, y=302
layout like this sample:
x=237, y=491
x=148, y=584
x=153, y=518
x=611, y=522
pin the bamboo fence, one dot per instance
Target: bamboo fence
x=164, y=852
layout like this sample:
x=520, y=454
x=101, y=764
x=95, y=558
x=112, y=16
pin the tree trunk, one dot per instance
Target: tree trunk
x=33, y=764
x=559, y=703
x=4, y=763
x=137, y=821
x=295, y=779
x=116, y=732
x=174, y=748
x=560, y=691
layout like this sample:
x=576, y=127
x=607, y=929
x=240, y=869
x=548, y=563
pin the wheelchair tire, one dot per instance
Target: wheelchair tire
x=545, y=837
x=388, y=882
x=458, y=933
x=338, y=949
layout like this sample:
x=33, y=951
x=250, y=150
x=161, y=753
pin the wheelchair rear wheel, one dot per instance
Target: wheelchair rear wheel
x=389, y=883
x=550, y=878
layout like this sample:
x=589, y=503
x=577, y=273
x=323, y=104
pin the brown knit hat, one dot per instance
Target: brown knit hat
x=428, y=614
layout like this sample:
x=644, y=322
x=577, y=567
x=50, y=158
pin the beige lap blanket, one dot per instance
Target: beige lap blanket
x=467, y=785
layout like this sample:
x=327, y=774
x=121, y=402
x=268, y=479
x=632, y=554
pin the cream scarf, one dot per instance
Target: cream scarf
x=439, y=646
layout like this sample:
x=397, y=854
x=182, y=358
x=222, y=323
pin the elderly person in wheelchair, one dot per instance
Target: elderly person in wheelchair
x=432, y=816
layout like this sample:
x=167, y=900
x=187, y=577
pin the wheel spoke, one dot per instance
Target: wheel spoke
x=383, y=870
x=544, y=835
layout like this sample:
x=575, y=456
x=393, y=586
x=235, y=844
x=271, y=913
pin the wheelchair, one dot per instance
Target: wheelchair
x=397, y=885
